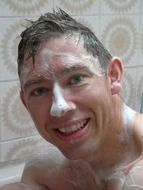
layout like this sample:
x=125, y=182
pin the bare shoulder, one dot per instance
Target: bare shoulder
x=44, y=167
x=21, y=186
x=42, y=161
x=50, y=170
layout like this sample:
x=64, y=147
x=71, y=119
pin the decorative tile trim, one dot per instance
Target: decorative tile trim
x=121, y=6
x=15, y=118
x=9, y=45
x=85, y=22
x=78, y=6
x=23, y=149
x=120, y=37
x=25, y=6
x=140, y=88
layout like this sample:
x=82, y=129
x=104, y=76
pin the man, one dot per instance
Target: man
x=70, y=85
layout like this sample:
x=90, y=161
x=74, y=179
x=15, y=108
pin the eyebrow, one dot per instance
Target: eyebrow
x=75, y=68
x=33, y=82
x=65, y=71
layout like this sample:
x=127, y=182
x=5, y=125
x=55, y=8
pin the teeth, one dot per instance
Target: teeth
x=72, y=129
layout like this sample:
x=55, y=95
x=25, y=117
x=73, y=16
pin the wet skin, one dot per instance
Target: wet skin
x=77, y=108
x=67, y=90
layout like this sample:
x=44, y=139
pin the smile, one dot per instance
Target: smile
x=74, y=128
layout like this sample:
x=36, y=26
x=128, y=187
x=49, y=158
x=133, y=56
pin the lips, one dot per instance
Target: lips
x=73, y=128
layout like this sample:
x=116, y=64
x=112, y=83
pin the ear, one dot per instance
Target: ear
x=115, y=74
x=22, y=97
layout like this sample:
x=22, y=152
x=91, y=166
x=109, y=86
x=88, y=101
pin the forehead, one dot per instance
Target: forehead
x=55, y=55
x=70, y=45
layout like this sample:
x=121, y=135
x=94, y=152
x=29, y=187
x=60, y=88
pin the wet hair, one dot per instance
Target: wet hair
x=55, y=25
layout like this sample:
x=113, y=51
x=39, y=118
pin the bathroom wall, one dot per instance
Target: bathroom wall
x=118, y=24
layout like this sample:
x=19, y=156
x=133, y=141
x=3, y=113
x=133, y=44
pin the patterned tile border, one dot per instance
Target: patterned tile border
x=121, y=6
x=25, y=6
x=120, y=37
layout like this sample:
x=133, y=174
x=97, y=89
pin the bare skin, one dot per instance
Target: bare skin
x=79, y=174
x=48, y=174
x=103, y=145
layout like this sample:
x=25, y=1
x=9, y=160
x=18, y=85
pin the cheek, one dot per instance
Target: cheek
x=39, y=111
x=90, y=93
x=39, y=104
x=95, y=98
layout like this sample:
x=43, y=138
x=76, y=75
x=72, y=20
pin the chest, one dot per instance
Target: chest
x=130, y=177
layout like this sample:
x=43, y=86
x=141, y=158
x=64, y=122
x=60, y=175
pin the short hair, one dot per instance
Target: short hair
x=55, y=25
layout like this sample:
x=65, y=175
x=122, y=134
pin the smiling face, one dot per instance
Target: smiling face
x=68, y=97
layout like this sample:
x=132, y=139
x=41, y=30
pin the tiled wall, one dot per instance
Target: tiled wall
x=118, y=24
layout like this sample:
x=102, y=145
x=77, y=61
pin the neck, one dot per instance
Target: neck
x=119, y=147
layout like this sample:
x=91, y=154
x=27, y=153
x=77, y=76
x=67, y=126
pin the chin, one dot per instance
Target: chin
x=77, y=154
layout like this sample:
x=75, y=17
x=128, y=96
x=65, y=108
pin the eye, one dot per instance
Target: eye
x=39, y=92
x=76, y=79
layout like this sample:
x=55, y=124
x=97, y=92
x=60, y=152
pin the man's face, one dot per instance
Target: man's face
x=68, y=97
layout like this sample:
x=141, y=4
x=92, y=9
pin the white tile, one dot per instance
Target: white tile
x=139, y=84
x=11, y=173
x=22, y=8
x=0, y=106
x=141, y=41
x=92, y=22
x=16, y=121
x=4, y=10
x=0, y=125
x=84, y=7
x=9, y=34
x=0, y=112
x=22, y=149
x=120, y=37
x=120, y=7
x=129, y=87
x=0, y=152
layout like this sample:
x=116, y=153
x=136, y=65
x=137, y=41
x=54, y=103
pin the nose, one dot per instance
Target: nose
x=59, y=105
